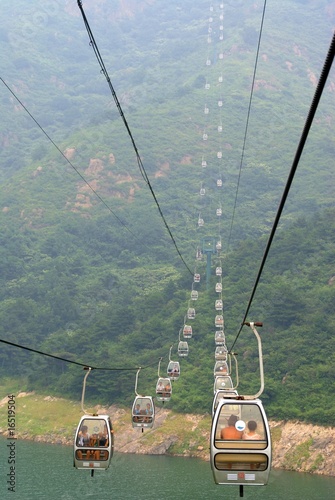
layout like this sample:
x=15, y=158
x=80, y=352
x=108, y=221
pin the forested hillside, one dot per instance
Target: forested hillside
x=88, y=271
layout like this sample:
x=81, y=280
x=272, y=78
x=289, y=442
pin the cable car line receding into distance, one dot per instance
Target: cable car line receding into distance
x=118, y=105
x=308, y=123
x=85, y=365
x=65, y=157
x=247, y=123
x=243, y=405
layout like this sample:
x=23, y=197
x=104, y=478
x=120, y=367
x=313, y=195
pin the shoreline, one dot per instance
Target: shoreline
x=296, y=446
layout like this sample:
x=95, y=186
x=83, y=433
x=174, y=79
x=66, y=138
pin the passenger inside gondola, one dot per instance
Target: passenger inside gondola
x=137, y=413
x=92, y=434
x=230, y=432
x=173, y=369
x=160, y=388
x=167, y=390
x=103, y=437
x=83, y=436
x=148, y=413
x=148, y=409
x=245, y=431
x=251, y=433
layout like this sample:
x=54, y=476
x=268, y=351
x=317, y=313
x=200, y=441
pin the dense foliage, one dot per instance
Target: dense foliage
x=101, y=282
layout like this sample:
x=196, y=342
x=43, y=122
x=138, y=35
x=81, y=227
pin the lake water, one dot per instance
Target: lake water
x=45, y=472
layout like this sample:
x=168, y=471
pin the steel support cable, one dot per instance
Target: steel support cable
x=308, y=123
x=71, y=361
x=68, y=161
x=118, y=105
x=247, y=124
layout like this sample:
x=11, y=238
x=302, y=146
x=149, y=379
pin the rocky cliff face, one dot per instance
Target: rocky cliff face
x=296, y=446
x=303, y=447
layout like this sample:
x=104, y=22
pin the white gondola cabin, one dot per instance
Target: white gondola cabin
x=221, y=353
x=218, y=287
x=219, y=212
x=94, y=443
x=183, y=349
x=143, y=412
x=219, y=305
x=221, y=368
x=223, y=382
x=219, y=181
x=220, y=338
x=219, y=321
x=196, y=278
x=194, y=295
x=163, y=389
x=191, y=313
x=218, y=271
x=187, y=331
x=173, y=370
x=240, y=451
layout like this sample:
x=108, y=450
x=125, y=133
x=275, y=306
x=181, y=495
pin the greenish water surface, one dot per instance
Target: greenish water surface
x=46, y=472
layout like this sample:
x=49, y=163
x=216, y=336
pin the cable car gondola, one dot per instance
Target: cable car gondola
x=94, y=439
x=221, y=353
x=223, y=382
x=221, y=368
x=219, y=305
x=94, y=443
x=218, y=271
x=183, y=349
x=219, y=320
x=194, y=295
x=240, y=443
x=163, y=389
x=173, y=370
x=187, y=331
x=240, y=451
x=201, y=221
x=191, y=313
x=220, y=338
x=143, y=410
